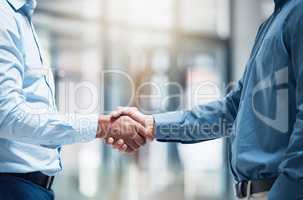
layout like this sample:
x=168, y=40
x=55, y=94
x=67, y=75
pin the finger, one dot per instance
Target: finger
x=141, y=130
x=123, y=111
x=118, y=144
x=139, y=140
x=132, y=145
x=115, y=114
x=135, y=115
x=110, y=141
x=123, y=148
x=118, y=113
x=130, y=150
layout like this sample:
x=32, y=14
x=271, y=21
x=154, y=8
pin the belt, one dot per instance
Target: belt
x=247, y=188
x=35, y=177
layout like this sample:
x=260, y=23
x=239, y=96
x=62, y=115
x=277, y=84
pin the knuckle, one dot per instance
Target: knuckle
x=124, y=118
x=115, y=133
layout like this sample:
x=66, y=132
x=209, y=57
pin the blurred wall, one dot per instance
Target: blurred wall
x=247, y=16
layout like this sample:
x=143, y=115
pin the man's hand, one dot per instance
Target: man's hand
x=147, y=121
x=103, y=126
x=124, y=132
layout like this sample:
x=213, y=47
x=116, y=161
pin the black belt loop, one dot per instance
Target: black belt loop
x=258, y=186
x=241, y=189
x=49, y=182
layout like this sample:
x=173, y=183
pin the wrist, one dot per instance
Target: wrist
x=150, y=126
x=103, y=124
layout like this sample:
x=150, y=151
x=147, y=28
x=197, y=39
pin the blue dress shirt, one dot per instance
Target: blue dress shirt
x=31, y=129
x=263, y=114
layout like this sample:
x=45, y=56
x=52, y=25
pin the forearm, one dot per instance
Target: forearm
x=211, y=121
x=205, y=122
x=20, y=123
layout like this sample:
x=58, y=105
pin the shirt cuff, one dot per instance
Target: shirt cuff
x=167, y=126
x=286, y=188
x=86, y=126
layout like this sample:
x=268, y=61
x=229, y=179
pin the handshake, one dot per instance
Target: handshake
x=126, y=129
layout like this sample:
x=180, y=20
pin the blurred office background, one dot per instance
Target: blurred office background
x=107, y=42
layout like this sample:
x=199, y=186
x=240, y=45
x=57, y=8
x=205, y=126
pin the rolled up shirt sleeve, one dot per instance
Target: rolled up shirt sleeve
x=18, y=121
x=289, y=184
x=205, y=122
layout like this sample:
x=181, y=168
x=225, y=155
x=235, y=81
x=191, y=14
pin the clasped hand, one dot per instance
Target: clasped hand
x=126, y=129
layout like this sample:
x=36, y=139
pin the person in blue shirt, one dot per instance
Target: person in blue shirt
x=32, y=131
x=263, y=114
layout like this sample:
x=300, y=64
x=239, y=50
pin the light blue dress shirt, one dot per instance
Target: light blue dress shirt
x=263, y=116
x=31, y=129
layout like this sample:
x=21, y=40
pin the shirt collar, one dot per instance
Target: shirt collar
x=29, y=6
x=17, y=4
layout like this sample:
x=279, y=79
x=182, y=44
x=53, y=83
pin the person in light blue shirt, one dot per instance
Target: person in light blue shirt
x=262, y=117
x=31, y=129
x=27, y=105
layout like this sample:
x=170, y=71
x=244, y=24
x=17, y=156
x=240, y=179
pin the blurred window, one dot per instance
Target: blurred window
x=142, y=13
x=208, y=16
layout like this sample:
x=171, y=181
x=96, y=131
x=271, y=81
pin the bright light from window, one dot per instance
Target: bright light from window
x=156, y=13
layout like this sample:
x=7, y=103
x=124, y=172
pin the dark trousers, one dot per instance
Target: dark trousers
x=14, y=188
